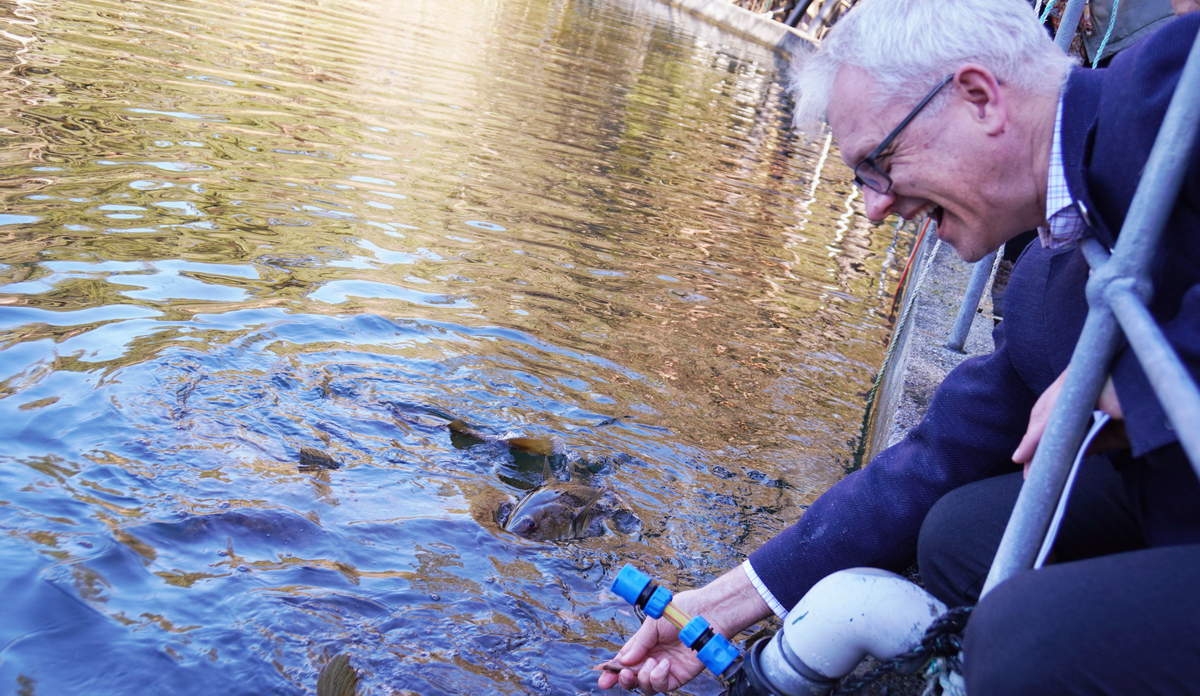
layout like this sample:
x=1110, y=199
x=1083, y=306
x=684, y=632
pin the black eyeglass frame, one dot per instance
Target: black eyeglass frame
x=869, y=161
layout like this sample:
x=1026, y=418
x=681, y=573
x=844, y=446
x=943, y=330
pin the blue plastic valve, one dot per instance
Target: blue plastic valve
x=630, y=583
x=689, y=634
x=658, y=602
x=716, y=654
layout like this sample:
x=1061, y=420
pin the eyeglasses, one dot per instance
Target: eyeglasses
x=867, y=174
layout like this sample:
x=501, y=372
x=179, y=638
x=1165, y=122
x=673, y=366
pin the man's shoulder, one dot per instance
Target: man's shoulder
x=1154, y=63
x=1111, y=118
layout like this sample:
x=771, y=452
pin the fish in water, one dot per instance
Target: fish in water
x=537, y=446
x=312, y=459
x=559, y=511
x=337, y=678
x=555, y=510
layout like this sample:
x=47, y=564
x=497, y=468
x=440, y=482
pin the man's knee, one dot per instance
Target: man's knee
x=1120, y=624
x=997, y=638
x=959, y=538
x=938, y=555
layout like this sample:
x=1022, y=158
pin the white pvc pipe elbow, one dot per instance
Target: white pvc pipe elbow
x=851, y=614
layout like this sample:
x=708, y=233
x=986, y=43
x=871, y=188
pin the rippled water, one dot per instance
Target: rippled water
x=234, y=230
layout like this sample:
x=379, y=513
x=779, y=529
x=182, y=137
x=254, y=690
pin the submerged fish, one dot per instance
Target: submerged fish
x=555, y=510
x=337, y=678
x=558, y=511
x=537, y=446
x=312, y=459
x=563, y=510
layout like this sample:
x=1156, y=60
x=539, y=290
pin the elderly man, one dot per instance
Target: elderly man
x=967, y=112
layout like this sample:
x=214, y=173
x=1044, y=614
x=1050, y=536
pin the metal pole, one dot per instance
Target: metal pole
x=1068, y=24
x=966, y=313
x=798, y=12
x=1052, y=462
x=1148, y=212
x=1172, y=384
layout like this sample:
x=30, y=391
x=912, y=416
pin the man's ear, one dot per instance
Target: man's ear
x=979, y=89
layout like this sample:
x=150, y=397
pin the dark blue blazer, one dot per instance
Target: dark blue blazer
x=979, y=413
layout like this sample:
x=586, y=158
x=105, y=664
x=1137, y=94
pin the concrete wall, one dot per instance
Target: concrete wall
x=745, y=23
x=918, y=359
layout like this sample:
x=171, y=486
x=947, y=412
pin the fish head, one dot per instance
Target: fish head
x=556, y=513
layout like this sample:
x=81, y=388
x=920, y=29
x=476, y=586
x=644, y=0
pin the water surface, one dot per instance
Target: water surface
x=233, y=230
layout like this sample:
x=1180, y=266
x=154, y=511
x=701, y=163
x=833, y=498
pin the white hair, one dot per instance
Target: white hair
x=907, y=46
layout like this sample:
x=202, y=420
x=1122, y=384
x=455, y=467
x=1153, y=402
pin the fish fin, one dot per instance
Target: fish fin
x=548, y=475
x=337, y=678
x=582, y=518
x=540, y=446
x=459, y=431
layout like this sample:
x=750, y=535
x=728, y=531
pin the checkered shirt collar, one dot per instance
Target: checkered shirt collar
x=1066, y=225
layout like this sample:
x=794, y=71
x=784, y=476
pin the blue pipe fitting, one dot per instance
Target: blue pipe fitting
x=633, y=586
x=658, y=602
x=689, y=634
x=718, y=654
x=713, y=649
x=630, y=583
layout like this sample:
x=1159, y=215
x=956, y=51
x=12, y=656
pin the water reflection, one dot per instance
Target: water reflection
x=234, y=231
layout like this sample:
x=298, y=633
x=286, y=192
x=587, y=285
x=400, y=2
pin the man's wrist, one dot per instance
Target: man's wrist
x=729, y=604
x=763, y=591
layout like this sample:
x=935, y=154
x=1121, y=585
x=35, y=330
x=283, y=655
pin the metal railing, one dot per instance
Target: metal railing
x=966, y=313
x=826, y=14
x=1117, y=292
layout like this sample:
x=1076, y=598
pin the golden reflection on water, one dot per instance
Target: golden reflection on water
x=232, y=230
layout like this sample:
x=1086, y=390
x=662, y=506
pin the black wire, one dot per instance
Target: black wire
x=943, y=638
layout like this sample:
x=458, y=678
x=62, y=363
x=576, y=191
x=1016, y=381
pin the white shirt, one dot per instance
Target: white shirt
x=1066, y=226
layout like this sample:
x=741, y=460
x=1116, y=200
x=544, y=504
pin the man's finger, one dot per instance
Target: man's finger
x=1108, y=402
x=643, y=680
x=607, y=680
x=1029, y=443
x=629, y=679
x=655, y=676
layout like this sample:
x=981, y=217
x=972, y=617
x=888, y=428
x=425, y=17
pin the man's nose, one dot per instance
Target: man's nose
x=878, y=205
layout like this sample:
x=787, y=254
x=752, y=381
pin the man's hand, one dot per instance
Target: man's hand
x=1040, y=415
x=654, y=660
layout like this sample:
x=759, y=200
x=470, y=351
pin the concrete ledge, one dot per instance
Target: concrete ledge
x=745, y=23
x=918, y=358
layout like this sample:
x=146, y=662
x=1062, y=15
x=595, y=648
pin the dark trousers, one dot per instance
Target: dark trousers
x=1109, y=616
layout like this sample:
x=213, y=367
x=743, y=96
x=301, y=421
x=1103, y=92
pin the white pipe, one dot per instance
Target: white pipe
x=846, y=616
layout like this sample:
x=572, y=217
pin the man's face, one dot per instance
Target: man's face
x=1183, y=7
x=942, y=164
